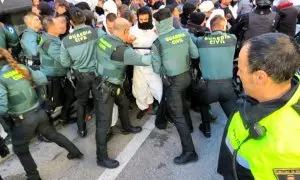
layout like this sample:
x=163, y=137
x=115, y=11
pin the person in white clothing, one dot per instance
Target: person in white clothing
x=146, y=84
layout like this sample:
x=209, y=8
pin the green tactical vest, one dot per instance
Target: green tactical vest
x=111, y=69
x=278, y=151
x=21, y=96
x=50, y=66
x=174, y=50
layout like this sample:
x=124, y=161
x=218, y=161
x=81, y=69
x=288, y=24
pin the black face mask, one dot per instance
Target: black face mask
x=145, y=26
x=233, y=3
x=99, y=10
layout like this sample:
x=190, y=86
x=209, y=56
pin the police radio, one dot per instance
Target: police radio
x=257, y=131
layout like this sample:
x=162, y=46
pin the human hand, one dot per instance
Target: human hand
x=131, y=39
x=228, y=16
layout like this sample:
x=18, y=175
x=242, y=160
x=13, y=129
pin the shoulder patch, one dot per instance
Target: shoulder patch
x=10, y=29
x=287, y=174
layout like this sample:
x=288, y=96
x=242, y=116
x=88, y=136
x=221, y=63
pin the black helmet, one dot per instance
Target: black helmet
x=263, y=3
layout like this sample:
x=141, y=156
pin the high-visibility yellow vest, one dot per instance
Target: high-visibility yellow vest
x=278, y=149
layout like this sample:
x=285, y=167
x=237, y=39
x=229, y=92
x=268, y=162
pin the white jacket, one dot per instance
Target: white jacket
x=146, y=84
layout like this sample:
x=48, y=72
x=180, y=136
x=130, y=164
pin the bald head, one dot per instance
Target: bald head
x=121, y=28
x=121, y=24
x=32, y=21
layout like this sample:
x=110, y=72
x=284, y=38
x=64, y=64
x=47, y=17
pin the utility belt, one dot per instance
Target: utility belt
x=167, y=80
x=107, y=89
x=80, y=75
x=23, y=115
x=52, y=78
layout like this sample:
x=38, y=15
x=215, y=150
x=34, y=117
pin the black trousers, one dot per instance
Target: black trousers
x=84, y=85
x=24, y=130
x=68, y=99
x=178, y=111
x=55, y=91
x=103, y=109
x=217, y=91
x=60, y=92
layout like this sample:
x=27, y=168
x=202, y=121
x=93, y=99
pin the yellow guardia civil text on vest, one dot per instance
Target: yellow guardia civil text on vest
x=275, y=153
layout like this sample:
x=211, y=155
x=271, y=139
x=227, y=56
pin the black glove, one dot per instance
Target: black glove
x=4, y=151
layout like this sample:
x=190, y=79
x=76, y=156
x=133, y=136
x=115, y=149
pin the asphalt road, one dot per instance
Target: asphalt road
x=147, y=155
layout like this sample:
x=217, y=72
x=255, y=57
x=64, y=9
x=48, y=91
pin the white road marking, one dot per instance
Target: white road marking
x=129, y=151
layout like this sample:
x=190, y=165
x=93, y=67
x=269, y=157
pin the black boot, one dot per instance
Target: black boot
x=132, y=129
x=108, y=163
x=186, y=157
x=75, y=156
x=205, y=129
x=82, y=133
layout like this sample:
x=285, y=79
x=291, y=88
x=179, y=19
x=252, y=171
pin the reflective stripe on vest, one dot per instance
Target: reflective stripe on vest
x=279, y=148
x=242, y=161
x=115, y=70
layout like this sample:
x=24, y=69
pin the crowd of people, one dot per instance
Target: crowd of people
x=166, y=57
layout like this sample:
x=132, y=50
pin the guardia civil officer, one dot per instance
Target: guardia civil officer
x=216, y=52
x=113, y=55
x=51, y=65
x=260, y=140
x=30, y=38
x=173, y=50
x=8, y=40
x=19, y=100
x=77, y=52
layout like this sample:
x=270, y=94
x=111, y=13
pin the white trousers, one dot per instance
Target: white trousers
x=146, y=85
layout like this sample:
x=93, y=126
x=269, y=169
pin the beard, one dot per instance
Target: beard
x=233, y=3
x=99, y=10
x=145, y=26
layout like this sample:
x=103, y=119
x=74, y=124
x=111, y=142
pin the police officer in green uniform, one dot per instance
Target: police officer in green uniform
x=51, y=65
x=9, y=39
x=113, y=55
x=172, y=52
x=261, y=139
x=216, y=61
x=18, y=98
x=30, y=38
x=77, y=52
